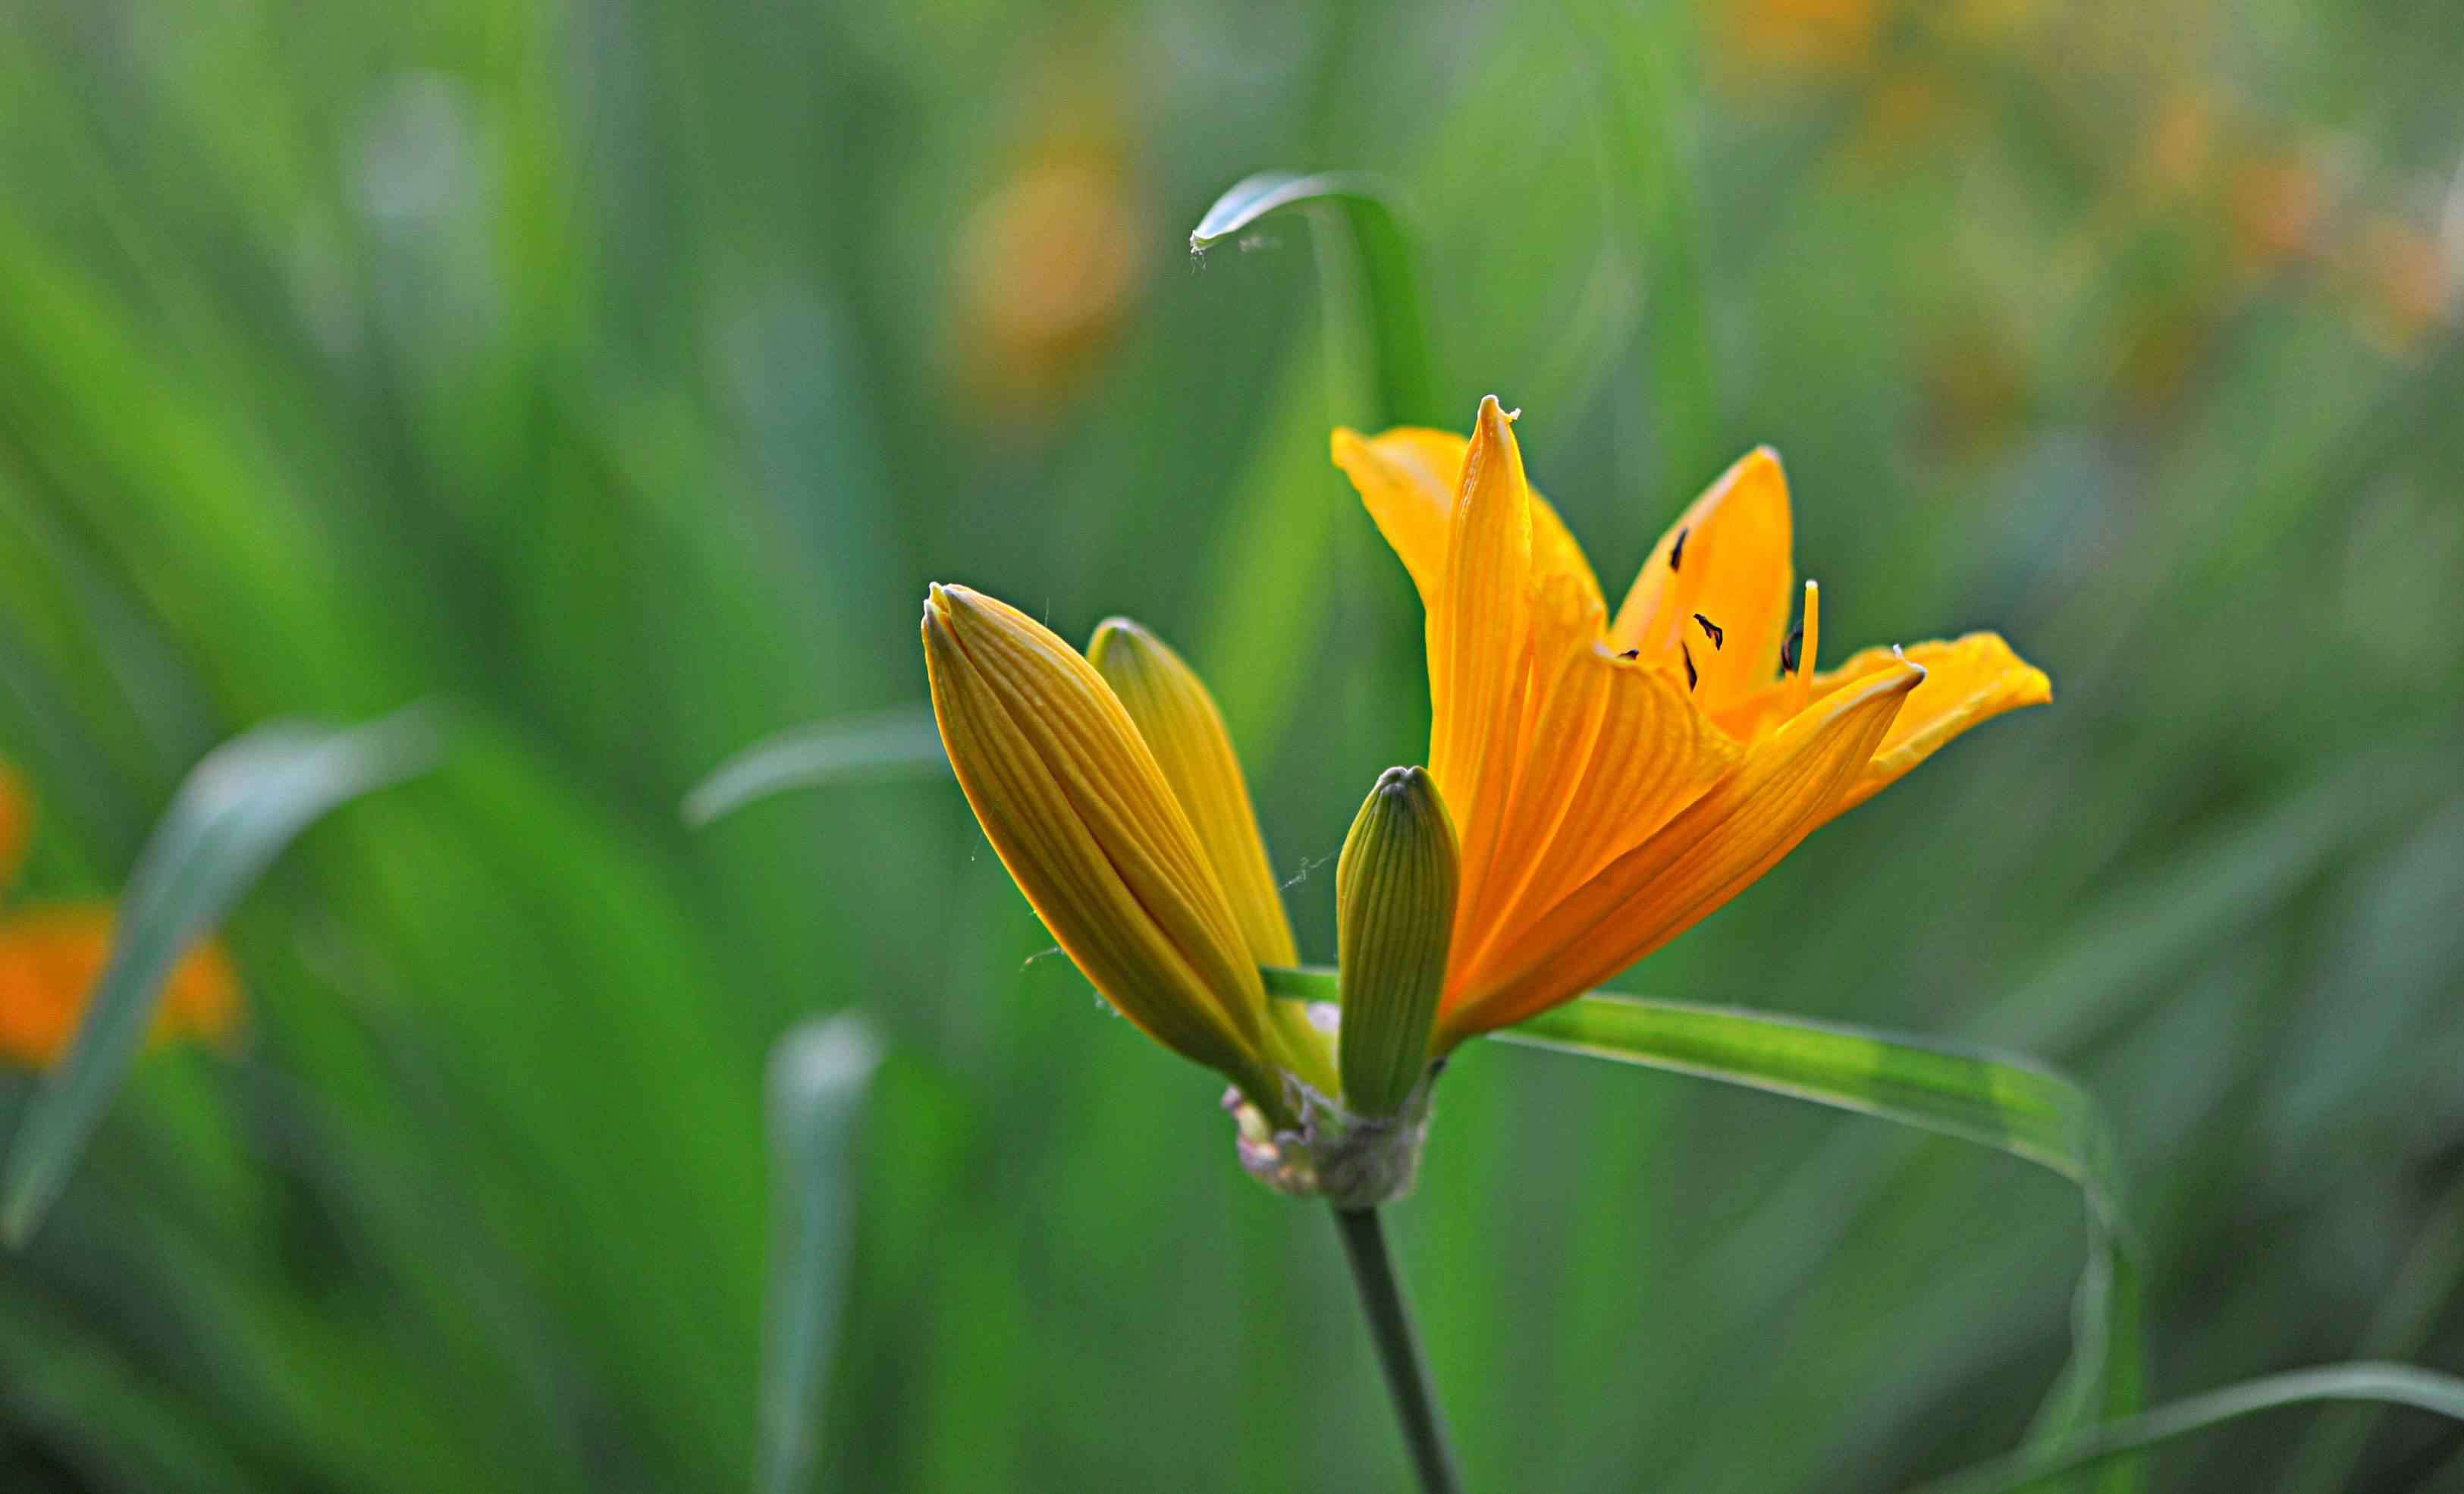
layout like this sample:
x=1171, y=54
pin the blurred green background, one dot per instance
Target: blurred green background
x=619, y=374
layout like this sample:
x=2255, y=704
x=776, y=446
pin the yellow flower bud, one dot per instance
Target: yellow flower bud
x=1185, y=731
x=1081, y=813
x=1395, y=910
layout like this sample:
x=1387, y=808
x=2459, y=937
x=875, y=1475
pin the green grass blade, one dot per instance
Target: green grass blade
x=235, y=813
x=2382, y=1384
x=2401, y=1324
x=1648, y=135
x=1389, y=280
x=1994, y=1099
x=819, y=1073
x=897, y=743
x=2001, y=1102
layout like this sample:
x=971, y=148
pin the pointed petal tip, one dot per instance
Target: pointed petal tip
x=1117, y=638
x=2029, y=685
x=958, y=603
x=1761, y=467
x=2018, y=682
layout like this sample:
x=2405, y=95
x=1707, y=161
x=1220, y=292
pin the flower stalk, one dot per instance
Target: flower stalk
x=1399, y=1350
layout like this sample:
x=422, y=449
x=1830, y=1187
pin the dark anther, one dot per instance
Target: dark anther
x=1630, y=653
x=1788, y=651
x=1690, y=675
x=1677, y=551
x=1718, y=635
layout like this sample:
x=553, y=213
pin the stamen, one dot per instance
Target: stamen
x=1788, y=651
x=1677, y=550
x=1630, y=653
x=1812, y=629
x=1718, y=635
x=1689, y=654
x=1679, y=605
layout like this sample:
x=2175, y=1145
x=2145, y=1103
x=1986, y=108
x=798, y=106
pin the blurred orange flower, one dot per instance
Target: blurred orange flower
x=52, y=955
x=1823, y=36
x=2407, y=288
x=1051, y=261
x=2277, y=206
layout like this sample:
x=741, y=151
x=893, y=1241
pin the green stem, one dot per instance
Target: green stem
x=1407, y=1373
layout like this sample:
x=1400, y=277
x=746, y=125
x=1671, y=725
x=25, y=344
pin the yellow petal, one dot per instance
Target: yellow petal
x=1079, y=812
x=1967, y=682
x=1614, y=753
x=1777, y=794
x=16, y=825
x=1735, y=570
x=1181, y=726
x=1409, y=478
x=1477, y=632
x=50, y=961
x=1078, y=809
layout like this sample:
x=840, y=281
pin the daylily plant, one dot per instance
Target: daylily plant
x=52, y=956
x=1597, y=785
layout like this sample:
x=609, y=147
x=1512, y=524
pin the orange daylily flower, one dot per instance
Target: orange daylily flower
x=52, y=956
x=1615, y=779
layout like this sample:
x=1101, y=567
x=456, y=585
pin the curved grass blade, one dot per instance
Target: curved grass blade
x=1390, y=284
x=235, y=813
x=819, y=1073
x=887, y=744
x=2404, y=1320
x=2382, y=1384
x=1997, y=1100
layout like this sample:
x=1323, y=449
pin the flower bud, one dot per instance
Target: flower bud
x=1081, y=814
x=1395, y=912
x=1185, y=731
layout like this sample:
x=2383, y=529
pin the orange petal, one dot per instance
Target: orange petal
x=1408, y=479
x=1735, y=570
x=1616, y=751
x=52, y=958
x=1479, y=631
x=1967, y=682
x=1717, y=846
x=203, y=1001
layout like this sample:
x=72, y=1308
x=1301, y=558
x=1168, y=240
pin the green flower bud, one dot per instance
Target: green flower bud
x=1395, y=914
